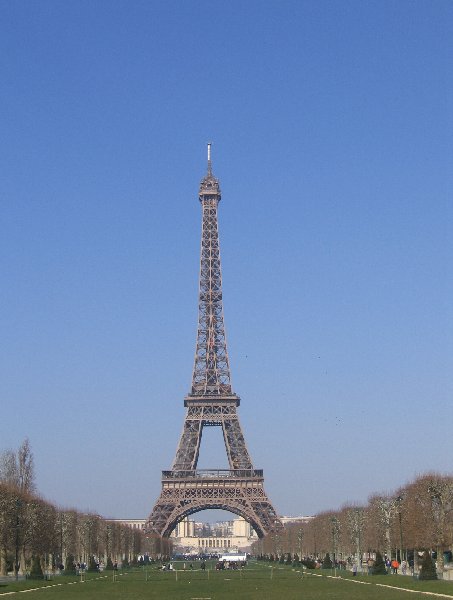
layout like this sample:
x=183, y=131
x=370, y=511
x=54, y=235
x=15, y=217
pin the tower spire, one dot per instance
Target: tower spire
x=209, y=160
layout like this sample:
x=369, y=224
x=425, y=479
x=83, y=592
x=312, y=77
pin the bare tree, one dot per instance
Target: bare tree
x=8, y=467
x=440, y=490
x=385, y=509
x=26, y=467
x=356, y=524
x=7, y=524
x=17, y=468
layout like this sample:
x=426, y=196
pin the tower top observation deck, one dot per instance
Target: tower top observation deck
x=209, y=185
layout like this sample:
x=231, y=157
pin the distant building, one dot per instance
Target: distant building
x=212, y=538
x=184, y=529
x=132, y=523
x=290, y=520
x=204, y=538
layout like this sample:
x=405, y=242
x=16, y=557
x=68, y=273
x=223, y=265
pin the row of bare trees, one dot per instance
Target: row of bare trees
x=418, y=516
x=31, y=527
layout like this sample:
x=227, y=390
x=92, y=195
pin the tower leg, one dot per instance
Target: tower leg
x=189, y=445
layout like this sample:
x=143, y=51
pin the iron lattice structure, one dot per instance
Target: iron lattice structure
x=211, y=402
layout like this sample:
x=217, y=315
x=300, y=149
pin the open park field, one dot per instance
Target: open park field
x=256, y=582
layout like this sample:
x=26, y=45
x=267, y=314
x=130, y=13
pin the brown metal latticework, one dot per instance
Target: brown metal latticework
x=211, y=402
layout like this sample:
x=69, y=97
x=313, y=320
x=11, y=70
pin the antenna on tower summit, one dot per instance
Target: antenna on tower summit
x=209, y=159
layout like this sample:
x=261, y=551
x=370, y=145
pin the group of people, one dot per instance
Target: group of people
x=81, y=567
x=223, y=564
x=169, y=566
x=392, y=566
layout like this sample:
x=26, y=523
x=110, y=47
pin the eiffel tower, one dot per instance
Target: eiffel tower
x=211, y=402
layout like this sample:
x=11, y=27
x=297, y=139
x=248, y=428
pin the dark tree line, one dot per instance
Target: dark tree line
x=418, y=517
x=35, y=533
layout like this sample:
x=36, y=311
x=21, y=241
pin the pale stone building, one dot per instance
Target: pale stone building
x=225, y=536
x=197, y=538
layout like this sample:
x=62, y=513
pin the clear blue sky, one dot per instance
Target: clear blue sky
x=332, y=126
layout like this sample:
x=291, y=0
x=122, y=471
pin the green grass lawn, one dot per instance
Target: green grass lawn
x=256, y=582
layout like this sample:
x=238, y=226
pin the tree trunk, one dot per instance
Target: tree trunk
x=22, y=568
x=440, y=559
x=388, y=544
x=3, y=567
